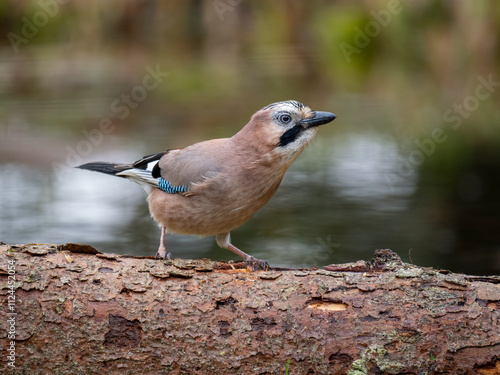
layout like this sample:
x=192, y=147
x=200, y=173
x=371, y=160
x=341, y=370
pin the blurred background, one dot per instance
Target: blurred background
x=412, y=163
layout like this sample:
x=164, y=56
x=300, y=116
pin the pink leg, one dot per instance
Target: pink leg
x=162, y=251
x=224, y=241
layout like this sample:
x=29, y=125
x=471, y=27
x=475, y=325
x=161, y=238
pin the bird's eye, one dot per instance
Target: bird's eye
x=285, y=118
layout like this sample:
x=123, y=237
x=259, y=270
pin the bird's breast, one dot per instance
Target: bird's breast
x=218, y=204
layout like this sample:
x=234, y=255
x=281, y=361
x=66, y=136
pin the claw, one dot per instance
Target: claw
x=258, y=264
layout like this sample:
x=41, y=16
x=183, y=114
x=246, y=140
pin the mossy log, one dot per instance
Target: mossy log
x=78, y=311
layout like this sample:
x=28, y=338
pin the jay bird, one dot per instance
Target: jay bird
x=215, y=186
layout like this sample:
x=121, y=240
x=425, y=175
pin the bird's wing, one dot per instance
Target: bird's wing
x=193, y=164
x=138, y=172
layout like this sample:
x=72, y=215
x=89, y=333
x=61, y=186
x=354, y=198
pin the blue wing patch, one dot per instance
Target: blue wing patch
x=166, y=187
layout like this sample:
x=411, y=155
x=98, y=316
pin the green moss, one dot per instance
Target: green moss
x=358, y=367
x=32, y=277
x=375, y=354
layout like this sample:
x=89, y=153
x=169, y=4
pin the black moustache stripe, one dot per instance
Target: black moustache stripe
x=290, y=135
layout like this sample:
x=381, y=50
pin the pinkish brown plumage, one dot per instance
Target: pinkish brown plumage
x=215, y=186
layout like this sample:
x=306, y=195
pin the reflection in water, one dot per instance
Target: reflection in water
x=466, y=200
x=359, y=170
x=37, y=206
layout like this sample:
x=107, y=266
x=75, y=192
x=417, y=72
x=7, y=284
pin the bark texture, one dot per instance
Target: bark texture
x=82, y=312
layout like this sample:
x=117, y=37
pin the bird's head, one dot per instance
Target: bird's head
x=284, y=127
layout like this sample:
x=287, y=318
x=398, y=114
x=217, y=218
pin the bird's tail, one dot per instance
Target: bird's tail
x=138, y=175
x=107, y=168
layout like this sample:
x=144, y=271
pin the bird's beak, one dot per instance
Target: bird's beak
x=320, y=118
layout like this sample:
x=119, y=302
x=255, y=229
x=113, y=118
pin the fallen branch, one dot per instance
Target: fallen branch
x=81, y=311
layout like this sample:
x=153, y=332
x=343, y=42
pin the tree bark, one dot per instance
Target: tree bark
x=78, y=311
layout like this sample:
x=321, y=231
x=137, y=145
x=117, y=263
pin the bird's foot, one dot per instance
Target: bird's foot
x=254, y=263
x=166, y=256
x=162, y=253
x=257, y=264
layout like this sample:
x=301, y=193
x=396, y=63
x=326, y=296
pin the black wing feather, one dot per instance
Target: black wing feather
x=156, y=172
x=143, y=163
